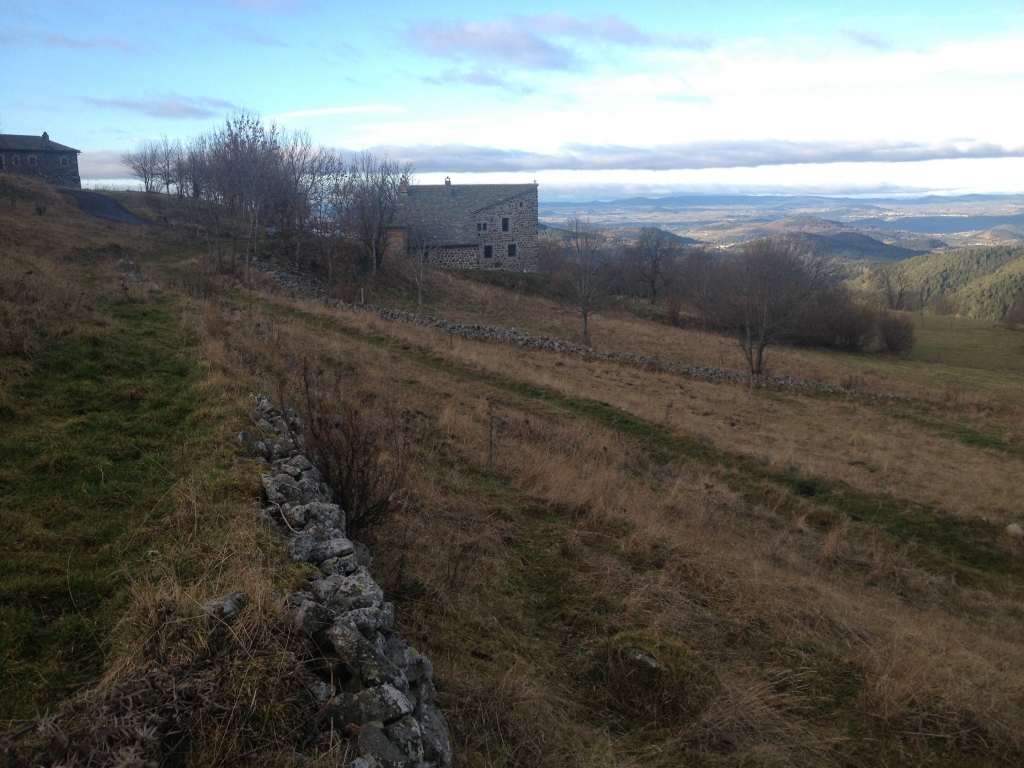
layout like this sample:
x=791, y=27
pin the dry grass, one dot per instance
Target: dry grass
x=538, y=538
x=548, y=537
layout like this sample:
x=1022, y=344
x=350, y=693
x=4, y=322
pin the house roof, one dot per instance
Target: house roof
x=16, y=142
x=451, y=219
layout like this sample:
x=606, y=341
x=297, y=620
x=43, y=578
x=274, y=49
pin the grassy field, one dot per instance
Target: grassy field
x=825, y=580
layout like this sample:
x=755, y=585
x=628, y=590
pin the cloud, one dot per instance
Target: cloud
x=610, y=29
x=462, y=158
x=475, y=77
x=101, y=164
x=173, y=106
x=867, y=39
x=55, y=40
x=526, y=41
x=360, y=109
x=501, y=42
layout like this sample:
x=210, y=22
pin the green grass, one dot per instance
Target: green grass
x=104, y=423
x=962, y=342
x=971, y=550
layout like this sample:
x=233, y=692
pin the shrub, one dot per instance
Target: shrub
x=896, y=332
x=1014, y=317
x=835, y=321
x=941, y=304
x=361, y=449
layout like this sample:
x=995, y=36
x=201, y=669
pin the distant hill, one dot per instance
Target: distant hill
x=630, y=234
x=984, y=282
x=757, y=201
x=850, y=245
x=806, y=223
x=941, y=225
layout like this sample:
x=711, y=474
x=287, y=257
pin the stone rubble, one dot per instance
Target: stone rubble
x=372, y=682
x=302, y=284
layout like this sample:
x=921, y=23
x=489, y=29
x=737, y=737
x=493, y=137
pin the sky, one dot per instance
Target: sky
x=593, y=100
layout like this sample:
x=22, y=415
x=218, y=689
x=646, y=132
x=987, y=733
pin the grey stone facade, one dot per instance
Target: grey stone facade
x=472, y=226
x=40, y=158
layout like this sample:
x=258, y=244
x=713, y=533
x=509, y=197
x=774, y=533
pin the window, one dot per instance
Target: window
x=31, y=159
x=64, y=161
x=488, y=251
x=504, y=224
x=511, y=250
x=16, y=160
x=1, y=162
x=481, y=226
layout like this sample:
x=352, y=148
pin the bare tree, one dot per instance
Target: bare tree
x=652, y=252
x=586, y=280
x=894, y=285
x=167, y=153
x=249, y=168
x=701, y=275
x=418, y=245
x=143, y=163
x=767, y=285
x=376, y=183
x=329, y=198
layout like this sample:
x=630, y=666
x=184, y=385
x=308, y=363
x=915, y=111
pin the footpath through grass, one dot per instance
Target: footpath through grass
x=104, y=423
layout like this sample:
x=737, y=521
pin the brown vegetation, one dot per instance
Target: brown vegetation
x=820, y=580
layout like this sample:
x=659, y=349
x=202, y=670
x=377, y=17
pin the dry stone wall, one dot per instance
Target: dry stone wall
x=375, y=686
x=302, y=284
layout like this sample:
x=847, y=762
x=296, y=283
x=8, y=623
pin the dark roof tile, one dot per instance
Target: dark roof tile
x=13, y=142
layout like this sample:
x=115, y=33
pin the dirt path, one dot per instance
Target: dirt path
x=104, y=207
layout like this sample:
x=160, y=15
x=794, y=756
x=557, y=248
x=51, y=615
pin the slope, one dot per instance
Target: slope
x=954, y=271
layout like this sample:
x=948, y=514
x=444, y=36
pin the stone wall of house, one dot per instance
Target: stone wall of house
x=466, y=257
x=522, y=214
x=521, y=211
x=47, y=166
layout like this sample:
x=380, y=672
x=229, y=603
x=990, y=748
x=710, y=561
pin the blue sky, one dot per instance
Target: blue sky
x=591, y=99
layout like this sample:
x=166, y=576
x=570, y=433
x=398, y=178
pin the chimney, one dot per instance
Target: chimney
x=447, y=186
x=46, y=138
x=403, y=188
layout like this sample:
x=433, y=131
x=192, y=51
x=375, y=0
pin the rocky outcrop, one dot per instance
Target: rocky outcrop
x=371, y=682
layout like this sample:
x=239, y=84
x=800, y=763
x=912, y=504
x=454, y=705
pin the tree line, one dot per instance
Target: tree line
x=248, y=181
x=770, y=291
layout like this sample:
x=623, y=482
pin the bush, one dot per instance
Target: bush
x=941, y=304
x=896, y=332
x=1014, y=317
x=362, y=450
x=836, y=322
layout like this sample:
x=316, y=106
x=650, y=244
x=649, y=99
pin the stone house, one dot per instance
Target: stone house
x=470, y=226
x=41, y=158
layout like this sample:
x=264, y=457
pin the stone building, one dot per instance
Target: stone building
x=471, y=226
x=41, y=158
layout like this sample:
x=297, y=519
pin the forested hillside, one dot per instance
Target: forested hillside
x=984, y=282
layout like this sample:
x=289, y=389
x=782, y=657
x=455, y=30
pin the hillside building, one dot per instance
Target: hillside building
x=471, y=226
x=40, y=158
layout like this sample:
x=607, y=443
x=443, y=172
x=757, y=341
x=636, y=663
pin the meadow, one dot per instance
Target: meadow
x=823, y=579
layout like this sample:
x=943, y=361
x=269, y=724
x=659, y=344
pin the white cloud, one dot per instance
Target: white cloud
x=172, y=106
x=867, y=39
x=101, y=164
x=354, y=110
